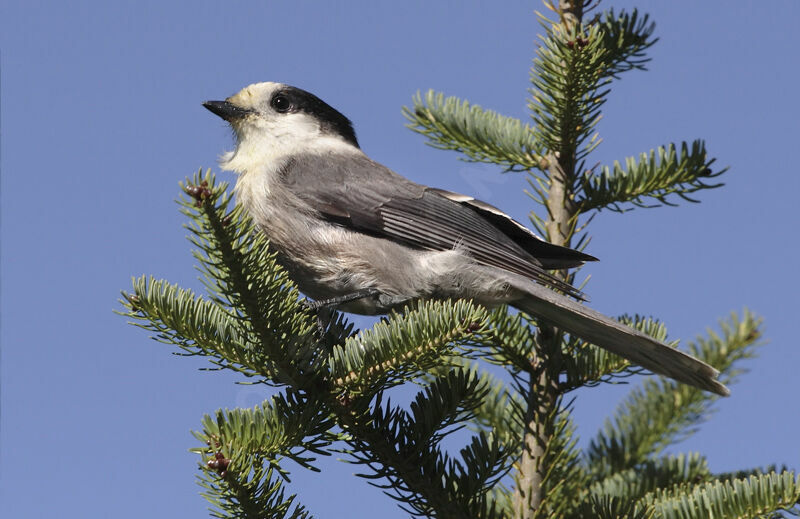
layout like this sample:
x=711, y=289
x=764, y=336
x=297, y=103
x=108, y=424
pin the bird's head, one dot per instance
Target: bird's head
x=273, y=121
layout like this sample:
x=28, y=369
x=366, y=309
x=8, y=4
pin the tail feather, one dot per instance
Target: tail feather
x=590, y=325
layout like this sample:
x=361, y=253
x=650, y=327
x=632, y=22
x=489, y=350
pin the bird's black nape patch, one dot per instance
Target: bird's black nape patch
x=330, y=119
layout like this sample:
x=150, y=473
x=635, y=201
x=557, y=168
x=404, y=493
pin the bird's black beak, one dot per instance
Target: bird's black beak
x=228, y=111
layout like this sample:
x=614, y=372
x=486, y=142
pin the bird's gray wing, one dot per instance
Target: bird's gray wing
x=365, y=196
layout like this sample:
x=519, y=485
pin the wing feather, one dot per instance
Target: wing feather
x=550, y=255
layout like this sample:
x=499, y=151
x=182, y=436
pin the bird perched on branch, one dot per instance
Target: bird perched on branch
x=356, y=235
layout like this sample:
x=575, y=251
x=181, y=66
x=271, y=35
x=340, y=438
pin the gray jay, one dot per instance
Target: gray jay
x=353, y=233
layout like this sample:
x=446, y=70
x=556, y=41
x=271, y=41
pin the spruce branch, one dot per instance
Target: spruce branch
x=655, y=176
x=405, y=346
x=480, y=135
x=744, y=474
x=634, y=483
x=501, y=411
x=444, y=404
x=572, y=70
x=291, y=425
x=404, y=449
x=500, y=415
x=241, y=474
x=255, y=495
x=661, y=412
x=567, y=92
x=612, y=507
x=625, y=37
x=753, y=497
x=512, y=342
x=199, y=327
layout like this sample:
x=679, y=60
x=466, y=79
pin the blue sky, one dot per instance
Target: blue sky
x=102, y=116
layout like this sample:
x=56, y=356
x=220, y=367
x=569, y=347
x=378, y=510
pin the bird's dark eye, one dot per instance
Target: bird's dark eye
x=281, y=103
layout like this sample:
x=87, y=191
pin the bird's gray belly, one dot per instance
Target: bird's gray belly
x=327, y=261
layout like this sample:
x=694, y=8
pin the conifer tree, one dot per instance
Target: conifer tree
x=332, y=384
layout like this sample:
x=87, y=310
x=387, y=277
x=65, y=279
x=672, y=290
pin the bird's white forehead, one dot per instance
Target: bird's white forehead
x=253, y=94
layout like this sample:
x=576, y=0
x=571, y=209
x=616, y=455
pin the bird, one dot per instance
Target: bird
x=355, y=235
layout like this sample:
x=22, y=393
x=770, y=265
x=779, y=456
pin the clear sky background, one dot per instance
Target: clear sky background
x=102, y=116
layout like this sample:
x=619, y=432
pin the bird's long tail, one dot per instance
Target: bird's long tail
x=600, y=330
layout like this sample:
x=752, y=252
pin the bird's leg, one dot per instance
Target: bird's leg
x=325, y=306
x=333, y=302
